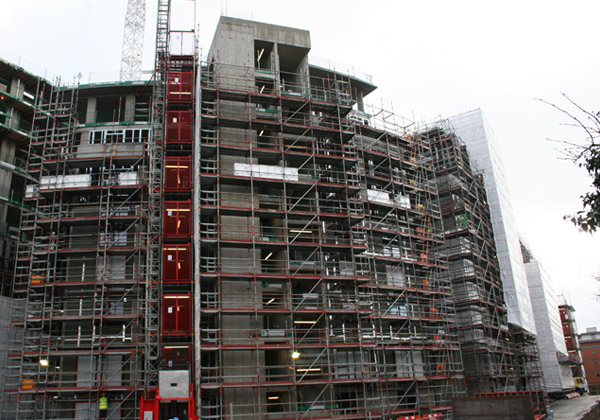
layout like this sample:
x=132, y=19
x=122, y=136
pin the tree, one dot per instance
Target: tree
x=585, y=155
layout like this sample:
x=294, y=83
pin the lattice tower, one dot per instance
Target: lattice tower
x=133, y=40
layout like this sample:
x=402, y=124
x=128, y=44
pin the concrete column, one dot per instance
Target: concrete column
x=7, y=154
x=275, y=67
x=304, y=75
x=14, y=119
x=129, y=108
x=17, y=88
x=359, y=100
x=90, y=114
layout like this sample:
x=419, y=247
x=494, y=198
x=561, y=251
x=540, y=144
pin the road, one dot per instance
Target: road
x=573, y=409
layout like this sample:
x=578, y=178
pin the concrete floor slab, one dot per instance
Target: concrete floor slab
x=573, y=409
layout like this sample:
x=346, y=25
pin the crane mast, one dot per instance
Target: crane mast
x=133, y=40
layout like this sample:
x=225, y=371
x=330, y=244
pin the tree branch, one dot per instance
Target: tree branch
x=586, y=155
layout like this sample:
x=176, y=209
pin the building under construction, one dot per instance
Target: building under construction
x=497, y=357
x=237, y=239
x=484, y=150
x=16, y=110
x=17, y=89
x=473, y=268
x=242, y=238
x=569, y=327
x=79, y=283
x=554, y=356
x=320, y=288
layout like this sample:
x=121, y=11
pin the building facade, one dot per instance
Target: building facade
x=569, y=327
x=556, y=366
x=237, y=239
x=321, y=291
x=78, y=288
x=497, y=356
x=17, y=98
x=483, y=147
x=473, y=268
x=590, y=354
x=242, y=238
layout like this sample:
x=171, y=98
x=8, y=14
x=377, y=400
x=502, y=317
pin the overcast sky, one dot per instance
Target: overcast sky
x=428, y=58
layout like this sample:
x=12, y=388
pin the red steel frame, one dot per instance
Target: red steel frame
x=177, y=261
x=180, y=86
x=180, y=126
x=177, y=286
x=177, y=219
x=176, y=313
x=178, y=173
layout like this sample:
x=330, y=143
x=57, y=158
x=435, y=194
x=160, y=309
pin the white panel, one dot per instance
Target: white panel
x=379, y=196
x=181, y=43
x=30, y=191
x=402, y=201
x=174, y=383
x=129, y=178
x=265, y=171
x=242, y=169
x=66, y=181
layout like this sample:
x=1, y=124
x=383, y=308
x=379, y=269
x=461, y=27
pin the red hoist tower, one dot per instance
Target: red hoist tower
x=170, y=362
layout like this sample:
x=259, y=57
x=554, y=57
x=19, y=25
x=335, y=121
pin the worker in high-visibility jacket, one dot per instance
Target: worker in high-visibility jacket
x=102, y=406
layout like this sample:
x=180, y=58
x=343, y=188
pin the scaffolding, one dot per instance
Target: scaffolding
x=527, y=360
x=155, y=189
x=79, y=283
x=17, y=99
x=321, y=290
x=250, y=241
x=483, y=147
x=569, y=326
x=481, y=323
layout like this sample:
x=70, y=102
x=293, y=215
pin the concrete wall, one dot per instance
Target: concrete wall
x=7, y=334
x=4, y=336
x=497, y=408
x=234, y=45
x=233, y=42
x=285, y=49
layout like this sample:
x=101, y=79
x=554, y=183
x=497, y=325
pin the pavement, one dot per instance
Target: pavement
x=573, y=409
